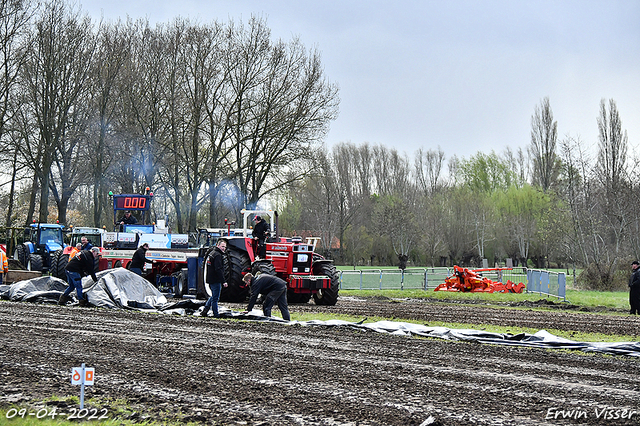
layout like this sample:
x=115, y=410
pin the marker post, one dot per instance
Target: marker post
x=82, y=376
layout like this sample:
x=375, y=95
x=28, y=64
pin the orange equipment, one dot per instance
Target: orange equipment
x=464, y=279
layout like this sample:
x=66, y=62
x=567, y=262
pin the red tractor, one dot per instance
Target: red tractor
x=307, y=273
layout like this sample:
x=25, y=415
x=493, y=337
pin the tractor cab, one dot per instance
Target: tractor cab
x=39, y=241
x=93, y=235
x=44, y=237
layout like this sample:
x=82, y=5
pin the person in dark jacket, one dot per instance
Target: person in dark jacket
x=86, y=245
x=274, y=290
x=259, y=233
x=139, y=259
x=80, y=265
x=634, y=288
x=128, y=219
x=214, y=277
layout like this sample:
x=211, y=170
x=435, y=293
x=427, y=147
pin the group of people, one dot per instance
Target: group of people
x=274, y=290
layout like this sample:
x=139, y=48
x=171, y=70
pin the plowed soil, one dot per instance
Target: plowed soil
x=227, y=372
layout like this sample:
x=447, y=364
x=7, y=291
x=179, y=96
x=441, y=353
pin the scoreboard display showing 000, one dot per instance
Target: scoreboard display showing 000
x=131, y=202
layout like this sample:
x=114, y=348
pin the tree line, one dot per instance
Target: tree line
x=210, y=116
x=552, y=204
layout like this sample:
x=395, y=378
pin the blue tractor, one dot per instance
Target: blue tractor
x=39, y=242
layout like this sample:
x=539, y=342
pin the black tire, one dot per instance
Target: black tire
x=22, y=255
x=238, y=263
x=263, y=267
x=327, y=297
x=182, y=284
x=34, y=263
x=59, y=262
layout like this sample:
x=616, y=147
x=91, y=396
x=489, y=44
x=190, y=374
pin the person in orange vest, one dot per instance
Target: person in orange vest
x=75, y=251
x=4, y=265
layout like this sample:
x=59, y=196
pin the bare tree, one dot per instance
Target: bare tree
x=105, y=98
x=283, y=106
x=14, y=24
x=55, y=76
x=544, y=133
x=142, y=114
x=428, y=170
x=391, y=171
x=612, y=147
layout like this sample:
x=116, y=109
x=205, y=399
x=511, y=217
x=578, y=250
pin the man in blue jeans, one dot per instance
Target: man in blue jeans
x=214, y=277
x=80, y=265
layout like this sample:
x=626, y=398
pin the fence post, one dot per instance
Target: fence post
x=425, y=280
x=402, y=280
x=562, y=286
x=360, y=279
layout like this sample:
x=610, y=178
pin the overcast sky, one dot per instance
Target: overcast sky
x=462, y=75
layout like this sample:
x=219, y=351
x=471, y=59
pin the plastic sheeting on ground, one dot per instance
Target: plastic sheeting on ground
x=541, y=339
x=115, y=288
x=120, y=288
x=36, y=290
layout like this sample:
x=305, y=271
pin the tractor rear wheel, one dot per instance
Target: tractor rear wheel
x=59, y=262
x=34, y=263
x=263, y=267
x=327, y=296
x=22, y=255
x=238, y=263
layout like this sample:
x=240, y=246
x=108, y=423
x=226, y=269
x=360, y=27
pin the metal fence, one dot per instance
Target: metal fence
x=547, y=282
x=537, y=281
x=393, y=279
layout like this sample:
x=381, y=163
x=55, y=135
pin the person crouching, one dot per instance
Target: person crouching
x=273, y=289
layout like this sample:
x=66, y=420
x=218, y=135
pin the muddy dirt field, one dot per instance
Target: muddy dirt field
x=227, y=372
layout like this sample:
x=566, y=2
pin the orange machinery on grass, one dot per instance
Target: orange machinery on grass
x=470, y=280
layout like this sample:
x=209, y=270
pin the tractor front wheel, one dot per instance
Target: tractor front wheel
x=59, y=262
x=327, y=296
x=34, y=263
x=263, y=267
x=182, y=284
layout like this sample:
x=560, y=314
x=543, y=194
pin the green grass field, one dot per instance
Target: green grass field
x=390, y=282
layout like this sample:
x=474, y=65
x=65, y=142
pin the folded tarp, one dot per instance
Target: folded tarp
x=120, y=288
x=41, y=289
x=116, y=288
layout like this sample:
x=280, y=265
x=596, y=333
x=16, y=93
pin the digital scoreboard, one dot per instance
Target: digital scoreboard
x=133, y=202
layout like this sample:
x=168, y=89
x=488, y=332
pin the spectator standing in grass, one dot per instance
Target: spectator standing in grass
x=634, y=288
